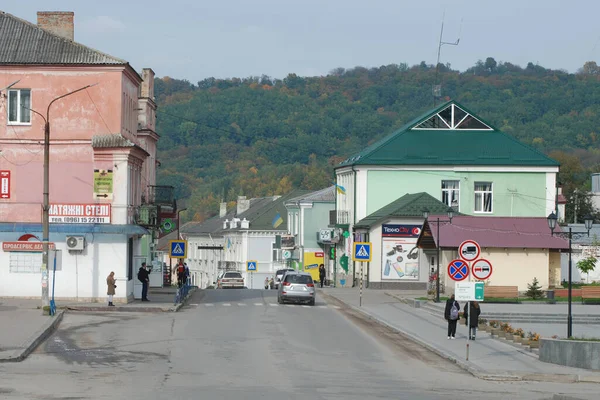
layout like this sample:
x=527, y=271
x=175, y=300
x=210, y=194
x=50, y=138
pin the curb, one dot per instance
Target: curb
x=469, y=367
x=117, y=309
x=178, y=306
x=36, y=339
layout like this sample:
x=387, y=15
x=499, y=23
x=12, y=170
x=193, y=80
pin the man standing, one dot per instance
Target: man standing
x=321, y=274
x=144, y=277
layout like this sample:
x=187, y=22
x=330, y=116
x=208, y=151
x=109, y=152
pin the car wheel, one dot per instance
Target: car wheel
x=312, y=302
x=279, y=300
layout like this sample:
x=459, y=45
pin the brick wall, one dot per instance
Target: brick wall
x=58, y=22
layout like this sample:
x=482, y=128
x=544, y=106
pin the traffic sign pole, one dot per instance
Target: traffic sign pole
x=361, y=284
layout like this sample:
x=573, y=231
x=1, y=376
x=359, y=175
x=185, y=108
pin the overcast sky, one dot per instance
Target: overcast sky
x=197, y=39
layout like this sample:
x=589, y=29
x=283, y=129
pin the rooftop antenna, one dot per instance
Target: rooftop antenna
x=9, y=86
x=437, y=87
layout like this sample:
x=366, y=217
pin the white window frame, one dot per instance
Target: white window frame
x=451, y=193
x=275, y=253
x=19, y=108
x=480, y=196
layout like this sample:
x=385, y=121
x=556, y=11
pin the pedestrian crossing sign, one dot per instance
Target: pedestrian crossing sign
x=362, y=251
x=251, y=266
x=178, y=248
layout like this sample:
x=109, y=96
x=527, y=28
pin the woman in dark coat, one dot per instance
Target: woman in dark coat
x=474, y=311
x=451, y=316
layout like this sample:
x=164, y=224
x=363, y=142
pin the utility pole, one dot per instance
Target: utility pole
x=46, y=202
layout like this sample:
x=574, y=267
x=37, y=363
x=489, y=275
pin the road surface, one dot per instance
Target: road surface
x=240, y=344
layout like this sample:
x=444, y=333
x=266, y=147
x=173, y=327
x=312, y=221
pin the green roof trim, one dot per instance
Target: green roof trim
x=407, y=206
x=449, y=135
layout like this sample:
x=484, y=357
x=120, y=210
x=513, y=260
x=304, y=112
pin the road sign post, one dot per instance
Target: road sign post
x=178, y=248
x=251, y=267
x=469, y=250
x=362, y=251
x=481, y=269
x=361, y=284
x=458, y=270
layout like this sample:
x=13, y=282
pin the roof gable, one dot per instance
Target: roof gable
x=22, y=42
x=449, y=135
x=409, y=205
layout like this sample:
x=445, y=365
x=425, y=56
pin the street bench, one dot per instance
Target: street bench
x=590, y=292
x=505, y=292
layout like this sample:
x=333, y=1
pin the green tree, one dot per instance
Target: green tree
x=586, y=266
x=534, y=290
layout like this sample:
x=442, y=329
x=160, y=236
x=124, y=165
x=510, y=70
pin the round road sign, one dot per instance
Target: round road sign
x=469, y=250
x=458, y=270
x=481, y=269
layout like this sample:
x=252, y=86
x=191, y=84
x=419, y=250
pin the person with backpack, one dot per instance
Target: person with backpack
x=144, y=277
x=180, y=274
x=451, y=315
x=474, y=311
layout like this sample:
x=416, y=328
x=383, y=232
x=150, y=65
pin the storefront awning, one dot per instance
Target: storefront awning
x=75, y=228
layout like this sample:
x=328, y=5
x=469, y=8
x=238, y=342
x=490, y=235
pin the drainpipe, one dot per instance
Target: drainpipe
x=353, y=222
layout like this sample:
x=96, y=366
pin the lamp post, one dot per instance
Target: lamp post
x=178, y=211
x=46, y=195
x=437, y=247
x=588, y=222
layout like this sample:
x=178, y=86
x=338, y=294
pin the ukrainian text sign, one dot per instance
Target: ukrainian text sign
x=79, y=213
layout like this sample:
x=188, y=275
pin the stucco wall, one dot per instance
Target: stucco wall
x=514, y=193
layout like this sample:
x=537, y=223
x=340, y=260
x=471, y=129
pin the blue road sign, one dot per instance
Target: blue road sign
x=362, y=251
x=458, y=270
x=251, y=266
x=178, y=248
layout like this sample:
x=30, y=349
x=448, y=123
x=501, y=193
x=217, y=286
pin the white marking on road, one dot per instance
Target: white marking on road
x=208, y=305
x=258, y=304
x=305, y=306
x=322, y=306
x=241, y=305
x=336, y=307
x=273, y=304
x=194, y=304
x=226, y=304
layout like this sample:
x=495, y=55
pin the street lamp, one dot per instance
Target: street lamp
x=178, y=211
x=46, y=205
x=588, y=222
x=438, y=220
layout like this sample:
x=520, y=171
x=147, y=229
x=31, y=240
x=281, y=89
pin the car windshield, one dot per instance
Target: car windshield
x=233, y=275
x=281, y=271
x=303, y=279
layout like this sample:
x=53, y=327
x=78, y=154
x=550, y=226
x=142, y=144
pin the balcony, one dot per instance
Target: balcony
x=339, y=217
x=160, y=195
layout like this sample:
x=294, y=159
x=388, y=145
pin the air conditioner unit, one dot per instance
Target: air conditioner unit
x=75, y=242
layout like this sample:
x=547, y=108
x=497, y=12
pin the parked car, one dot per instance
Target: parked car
x=232, y=280
x=217, y=283
x=279, y=275
x=297, y=286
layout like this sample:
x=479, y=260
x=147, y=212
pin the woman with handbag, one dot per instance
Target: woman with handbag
x=110, y=283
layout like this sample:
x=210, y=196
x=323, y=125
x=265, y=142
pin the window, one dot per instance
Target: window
x=19, y=103
x=25, y=262
x=451, y=193
x=233, y=275
x=302, y=279
x=276, y=253
x=483, y=197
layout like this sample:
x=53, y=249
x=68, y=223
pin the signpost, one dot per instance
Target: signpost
x=458, y=270
x=481, y=269
x=178, y=248
x=251, y=267
x=362, y=252
x=469, y=250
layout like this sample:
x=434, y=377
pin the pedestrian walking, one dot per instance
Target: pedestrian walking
x=451, y=315
x=144, y=277
x=321, y=274
x=180, y=274
x=110, y=283
x=474, y=311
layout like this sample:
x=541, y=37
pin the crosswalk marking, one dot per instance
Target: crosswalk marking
x=273, y=304
x=226, y=304
x=322, y=306
x=258, y=304
x=209, y=305
x=241, y=305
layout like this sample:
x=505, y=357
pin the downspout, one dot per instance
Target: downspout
x=354, y=222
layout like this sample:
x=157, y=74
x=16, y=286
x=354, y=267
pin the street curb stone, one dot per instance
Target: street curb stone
x=471, y=368
x=36, y=339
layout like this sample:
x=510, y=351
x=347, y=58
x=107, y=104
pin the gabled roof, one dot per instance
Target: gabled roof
x=449, y=135
x=323, y=195
x=22, y=42
x=492, y=232
x=409, y=205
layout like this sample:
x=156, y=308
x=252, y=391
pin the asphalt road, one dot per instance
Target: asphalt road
x=240, y=344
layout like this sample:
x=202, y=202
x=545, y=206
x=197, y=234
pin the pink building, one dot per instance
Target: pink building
x=102, y=162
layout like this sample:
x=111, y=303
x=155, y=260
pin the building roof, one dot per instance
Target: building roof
x=449, y=135
x=493, y=232
x=22, y=42
x=409, y=205
x=326, y=195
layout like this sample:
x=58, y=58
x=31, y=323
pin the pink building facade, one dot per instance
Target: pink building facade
x=102, y=162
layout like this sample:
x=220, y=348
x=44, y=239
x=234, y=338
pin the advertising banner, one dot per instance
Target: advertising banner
x=103, y=184
x=400, y=255
x=312, y=260
x=79, y=213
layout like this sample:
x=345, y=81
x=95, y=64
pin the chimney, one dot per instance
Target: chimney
x=148, y=83
x=242, y=204
x=245, y=224
x=57, y=22
x=222, y=210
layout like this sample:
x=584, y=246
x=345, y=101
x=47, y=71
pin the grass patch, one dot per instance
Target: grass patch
x=582, y=339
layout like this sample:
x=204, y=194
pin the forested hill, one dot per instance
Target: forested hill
x=259, y=136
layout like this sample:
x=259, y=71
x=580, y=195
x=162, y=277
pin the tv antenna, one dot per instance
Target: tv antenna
x=437, y=88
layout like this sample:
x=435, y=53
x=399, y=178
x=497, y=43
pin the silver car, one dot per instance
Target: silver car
x=279, y=276
x=298, y=287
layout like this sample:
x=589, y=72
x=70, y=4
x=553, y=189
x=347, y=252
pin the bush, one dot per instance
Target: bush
x=534, y=290
x=520, y=332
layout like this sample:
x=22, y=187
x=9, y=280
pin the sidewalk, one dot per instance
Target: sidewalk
x=489, y=358
x=24, y=327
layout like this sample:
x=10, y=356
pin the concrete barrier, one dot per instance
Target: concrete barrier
x=572, y=353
